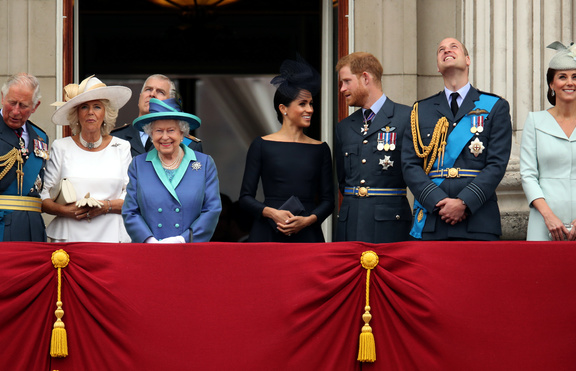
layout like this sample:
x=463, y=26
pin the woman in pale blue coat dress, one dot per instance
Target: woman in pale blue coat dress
x=173, y=194
x=548, y=154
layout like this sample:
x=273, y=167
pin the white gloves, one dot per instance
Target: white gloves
x=88, y=201
x=175, y=239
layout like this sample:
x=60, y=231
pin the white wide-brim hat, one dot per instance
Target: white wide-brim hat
x=91, y=88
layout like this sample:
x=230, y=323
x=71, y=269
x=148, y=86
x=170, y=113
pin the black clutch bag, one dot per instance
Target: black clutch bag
x=293, y=205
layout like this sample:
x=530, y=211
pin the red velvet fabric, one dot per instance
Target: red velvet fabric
x=216, y=306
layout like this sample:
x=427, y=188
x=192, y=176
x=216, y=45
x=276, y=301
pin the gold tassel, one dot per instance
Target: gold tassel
x=367, y=347
x=59, y=342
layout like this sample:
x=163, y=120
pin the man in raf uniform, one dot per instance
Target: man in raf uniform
x=159, y=87
x=23, y=155
x=455, y=155
x=367, y=151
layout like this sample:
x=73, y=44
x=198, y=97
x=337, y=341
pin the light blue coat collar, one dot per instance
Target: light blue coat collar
x=189, y=156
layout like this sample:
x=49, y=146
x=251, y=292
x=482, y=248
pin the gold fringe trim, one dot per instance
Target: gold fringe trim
x=367, y=346
x=437, y=143
x=59, y=341
x=9, y=159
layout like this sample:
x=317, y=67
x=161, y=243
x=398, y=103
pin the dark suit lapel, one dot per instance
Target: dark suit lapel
x=356, y=122
x=468, y=104
x=31, y=136
x=7, y=135
x=133, y=136
x=442, y=106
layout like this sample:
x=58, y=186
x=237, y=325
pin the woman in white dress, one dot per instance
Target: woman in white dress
x=93, y=161
x=548, y=154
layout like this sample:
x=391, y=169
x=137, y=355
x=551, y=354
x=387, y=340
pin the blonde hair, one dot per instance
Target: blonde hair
x=110, y=116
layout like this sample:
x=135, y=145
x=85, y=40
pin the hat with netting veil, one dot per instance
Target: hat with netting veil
x=565, y=58
x=295, y=76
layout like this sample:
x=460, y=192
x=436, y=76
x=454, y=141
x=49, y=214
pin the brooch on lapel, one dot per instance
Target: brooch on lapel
x=196, y=166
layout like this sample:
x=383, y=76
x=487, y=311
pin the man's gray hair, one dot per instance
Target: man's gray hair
x=24, y=79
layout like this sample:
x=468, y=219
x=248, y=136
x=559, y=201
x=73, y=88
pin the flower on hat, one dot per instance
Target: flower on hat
x=565, y=58
x=572, y=51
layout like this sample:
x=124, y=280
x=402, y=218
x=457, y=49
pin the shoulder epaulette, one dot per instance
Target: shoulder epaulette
x=192, y=137
x=430, y=97
x=37, y=127
x=487, y=93
x=121, y=127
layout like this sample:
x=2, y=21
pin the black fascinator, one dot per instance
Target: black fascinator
x=295, y=76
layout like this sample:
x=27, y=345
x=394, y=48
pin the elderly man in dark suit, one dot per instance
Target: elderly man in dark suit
x=159, y=87
x=456, y=154
x=23, y=153
x=367, y=151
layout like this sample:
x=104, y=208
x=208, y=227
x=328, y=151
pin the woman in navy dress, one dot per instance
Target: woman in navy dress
x=290, y=164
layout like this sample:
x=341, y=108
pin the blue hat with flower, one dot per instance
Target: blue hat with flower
x=168, y=109
x=565, y=58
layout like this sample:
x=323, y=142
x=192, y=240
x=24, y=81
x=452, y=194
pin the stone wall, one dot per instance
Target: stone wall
x=28, y=42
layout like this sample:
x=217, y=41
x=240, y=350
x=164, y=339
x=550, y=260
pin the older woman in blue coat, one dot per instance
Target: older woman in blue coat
x=173, y=195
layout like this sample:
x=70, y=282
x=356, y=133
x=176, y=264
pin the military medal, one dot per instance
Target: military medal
x=386, y=162
x=23, y=150
x=476, y=147
x=364, y=130
x=380, y=146
x=37, y=184
x=367, y=121
x=41, y=149
x=392, y=141
x=477, y=120
x=480, y=124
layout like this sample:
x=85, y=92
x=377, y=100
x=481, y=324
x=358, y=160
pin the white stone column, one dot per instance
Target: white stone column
x=507, y=42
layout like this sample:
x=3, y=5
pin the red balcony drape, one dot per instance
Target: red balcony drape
x=216, y=306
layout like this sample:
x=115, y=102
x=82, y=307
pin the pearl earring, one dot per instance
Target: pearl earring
x=285, y=113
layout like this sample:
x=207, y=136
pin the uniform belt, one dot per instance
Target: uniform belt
x=367, y=191
x=453, y=172
x=20, y=203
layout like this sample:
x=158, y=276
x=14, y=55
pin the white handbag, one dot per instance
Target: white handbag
x=63, y=193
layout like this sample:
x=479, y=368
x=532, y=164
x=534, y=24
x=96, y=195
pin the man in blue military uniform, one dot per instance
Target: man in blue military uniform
x=159, y=87
x=23, y=155
x=367, y=151
x=456, y=154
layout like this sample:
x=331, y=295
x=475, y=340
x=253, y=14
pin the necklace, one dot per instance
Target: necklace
x=175, y=163
x=90, y=145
